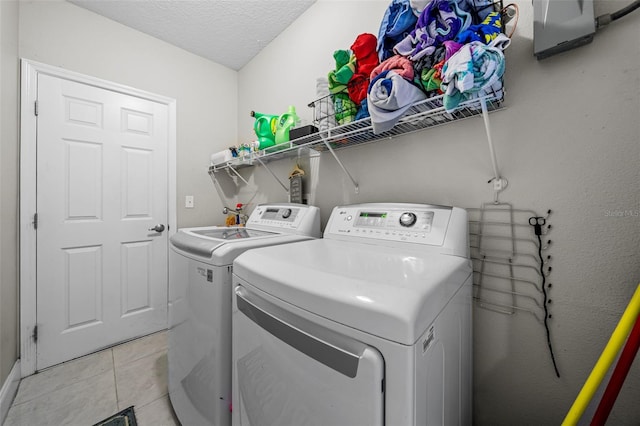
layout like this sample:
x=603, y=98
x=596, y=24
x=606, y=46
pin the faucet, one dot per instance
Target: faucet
x=240, y=217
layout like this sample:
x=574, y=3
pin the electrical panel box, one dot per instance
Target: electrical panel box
x=561, y=25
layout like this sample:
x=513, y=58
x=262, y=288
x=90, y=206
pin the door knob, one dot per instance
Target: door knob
x=158, y=228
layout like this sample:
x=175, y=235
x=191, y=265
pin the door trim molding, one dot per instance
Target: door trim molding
x=28, y=127
x=9, y=390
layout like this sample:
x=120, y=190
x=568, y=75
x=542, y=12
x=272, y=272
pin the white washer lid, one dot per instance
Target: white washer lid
x=222, y=252
x=390, y=292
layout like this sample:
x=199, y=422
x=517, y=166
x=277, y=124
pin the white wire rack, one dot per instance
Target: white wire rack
x=508, y=261
x=420, y=116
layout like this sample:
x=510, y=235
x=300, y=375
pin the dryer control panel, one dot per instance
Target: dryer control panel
x=414, y=223
x=286, y=218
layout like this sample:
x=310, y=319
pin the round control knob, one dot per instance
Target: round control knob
x=407, y=219
x=286, y=213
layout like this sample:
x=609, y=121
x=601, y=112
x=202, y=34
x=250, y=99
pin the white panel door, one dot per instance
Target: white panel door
x=101, y=185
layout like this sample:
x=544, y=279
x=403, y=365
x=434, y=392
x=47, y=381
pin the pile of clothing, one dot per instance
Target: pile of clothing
x=349, y=81
x=424, y=48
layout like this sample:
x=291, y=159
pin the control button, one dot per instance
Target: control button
x=286, y=213
x=349, y=217
x=407, y=219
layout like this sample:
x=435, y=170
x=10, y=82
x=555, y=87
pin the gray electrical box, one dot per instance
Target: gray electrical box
x=560, y=25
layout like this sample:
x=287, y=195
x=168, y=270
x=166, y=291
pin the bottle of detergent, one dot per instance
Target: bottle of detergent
x=265, y=128
x=286, y=121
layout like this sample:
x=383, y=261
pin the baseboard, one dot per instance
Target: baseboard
x=9, y=390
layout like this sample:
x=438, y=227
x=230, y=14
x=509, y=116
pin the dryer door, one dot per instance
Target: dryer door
x=291, y=371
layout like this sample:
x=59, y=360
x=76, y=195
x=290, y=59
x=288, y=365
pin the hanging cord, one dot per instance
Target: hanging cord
x=537, y=223
x=607, y=18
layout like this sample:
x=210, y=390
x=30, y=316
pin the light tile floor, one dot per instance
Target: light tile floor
x=87, y=390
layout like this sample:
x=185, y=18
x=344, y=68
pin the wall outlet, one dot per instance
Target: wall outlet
x=188, y=201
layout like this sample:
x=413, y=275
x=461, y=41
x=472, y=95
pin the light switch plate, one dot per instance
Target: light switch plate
x=188, y=201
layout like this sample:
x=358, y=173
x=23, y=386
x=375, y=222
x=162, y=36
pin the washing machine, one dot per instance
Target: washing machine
x=370, y=325
x=199, y=336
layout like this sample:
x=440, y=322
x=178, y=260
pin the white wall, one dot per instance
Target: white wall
x=9, y=78
x=64, y=35
x=568, y=141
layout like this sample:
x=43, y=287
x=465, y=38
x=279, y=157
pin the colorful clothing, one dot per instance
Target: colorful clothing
x=399, y=64
x=440, y=21
x=475, y=70
x=431, y=79
x=366, y=59
x=345, y=67
x=397, y=22
x=418, y=6
x=363, y=111
x=345, y=109
x=484, y=32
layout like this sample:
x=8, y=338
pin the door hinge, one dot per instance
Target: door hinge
x=35, y=108
x=35, y=333
x=35, y=221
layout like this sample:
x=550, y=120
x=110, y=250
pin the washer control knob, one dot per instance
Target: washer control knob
x=286, y=213
x=407, y=219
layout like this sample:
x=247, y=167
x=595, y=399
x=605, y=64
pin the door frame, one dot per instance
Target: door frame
x=28, y=149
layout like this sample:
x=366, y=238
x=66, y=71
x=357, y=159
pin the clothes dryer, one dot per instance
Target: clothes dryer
x=199, y=336
x=370, y=325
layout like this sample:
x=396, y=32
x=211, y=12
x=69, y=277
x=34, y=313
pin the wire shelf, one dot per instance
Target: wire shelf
x=420, y=116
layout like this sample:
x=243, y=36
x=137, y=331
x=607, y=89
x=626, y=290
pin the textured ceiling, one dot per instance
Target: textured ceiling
x=229, y=32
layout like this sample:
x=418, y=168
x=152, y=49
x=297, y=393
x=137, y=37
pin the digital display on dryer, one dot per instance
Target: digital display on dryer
x=366, y=214
x=376, y=219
